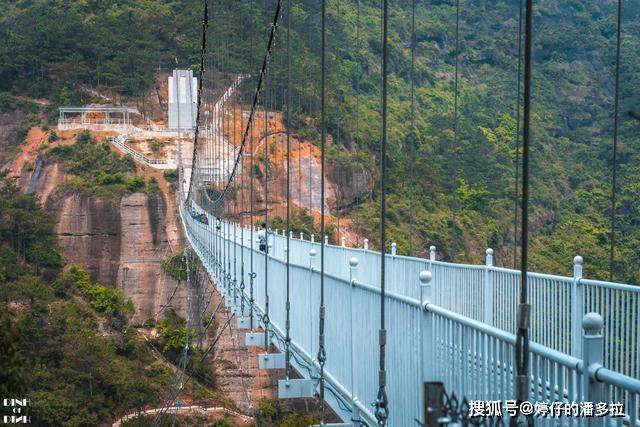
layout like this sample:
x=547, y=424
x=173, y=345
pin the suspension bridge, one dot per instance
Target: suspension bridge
x=379, y=336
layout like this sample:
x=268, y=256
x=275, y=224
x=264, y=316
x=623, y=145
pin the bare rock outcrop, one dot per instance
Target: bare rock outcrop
x=121, y=243
x=143, y=246
x=89, y=232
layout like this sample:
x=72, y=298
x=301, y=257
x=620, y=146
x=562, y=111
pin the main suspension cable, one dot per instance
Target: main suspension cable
x=261, y=77
x=203, y=52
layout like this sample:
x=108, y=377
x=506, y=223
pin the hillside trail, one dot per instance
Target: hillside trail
x=214, y=413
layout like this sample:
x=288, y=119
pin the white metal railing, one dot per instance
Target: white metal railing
x=426, y=342
x=120, y=141
x=489, y=294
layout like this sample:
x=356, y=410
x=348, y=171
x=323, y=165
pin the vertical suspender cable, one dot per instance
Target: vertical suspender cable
x=235, y=210
x=322, y=357
x=223, y=147
x=266, y=318
x=524, y=309
x=227, y=145
x=242, y=182
x=454, y=164
x=300, y=111
x=231, y=143
x=382, y=404
x=357, y=133
x=203, y=51
x=288, y=227
x=517, y=141
x=311, y=105
x=252, y=273
x=614, y=166
x=412, y=134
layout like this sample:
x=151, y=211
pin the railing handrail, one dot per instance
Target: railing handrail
x=120, y=141
x=567, y=279
x=617, y=379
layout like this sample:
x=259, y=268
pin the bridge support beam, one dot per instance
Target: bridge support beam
x=271, y=361
x=296, y=388
x=243, y=323
x=333, y=424
x=254, y=339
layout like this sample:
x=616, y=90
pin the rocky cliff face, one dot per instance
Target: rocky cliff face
x=145, y=243
x=350, y=184
x=121, y=243
x=344, y=184
x=88, y=230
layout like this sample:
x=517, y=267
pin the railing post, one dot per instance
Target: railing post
x=592, y=350
x=426, y=292
x=301, y=235
x=432, y=257
x=312, y=255
x=394, y=249
x=577, y=308
x=313, y=238
x=366, y=244
x=344, y=242
x=426, y=335
x=326, y=239
x=353, y=270
x=488, y=289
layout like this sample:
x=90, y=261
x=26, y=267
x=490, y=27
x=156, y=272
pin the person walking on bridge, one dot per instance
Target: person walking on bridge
x=262, y=237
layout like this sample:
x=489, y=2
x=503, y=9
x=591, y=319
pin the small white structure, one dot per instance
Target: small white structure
x=96, y=117
x=183, y=100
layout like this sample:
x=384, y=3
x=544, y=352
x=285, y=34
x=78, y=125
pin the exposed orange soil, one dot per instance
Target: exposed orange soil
x=34, y=140
x=276, y=141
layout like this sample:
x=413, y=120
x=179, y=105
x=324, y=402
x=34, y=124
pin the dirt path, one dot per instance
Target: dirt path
x=218, y=411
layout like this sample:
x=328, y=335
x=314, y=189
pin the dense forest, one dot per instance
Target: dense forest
x=452, y=181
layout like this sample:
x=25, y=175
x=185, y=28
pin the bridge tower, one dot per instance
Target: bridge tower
x=183, y=100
